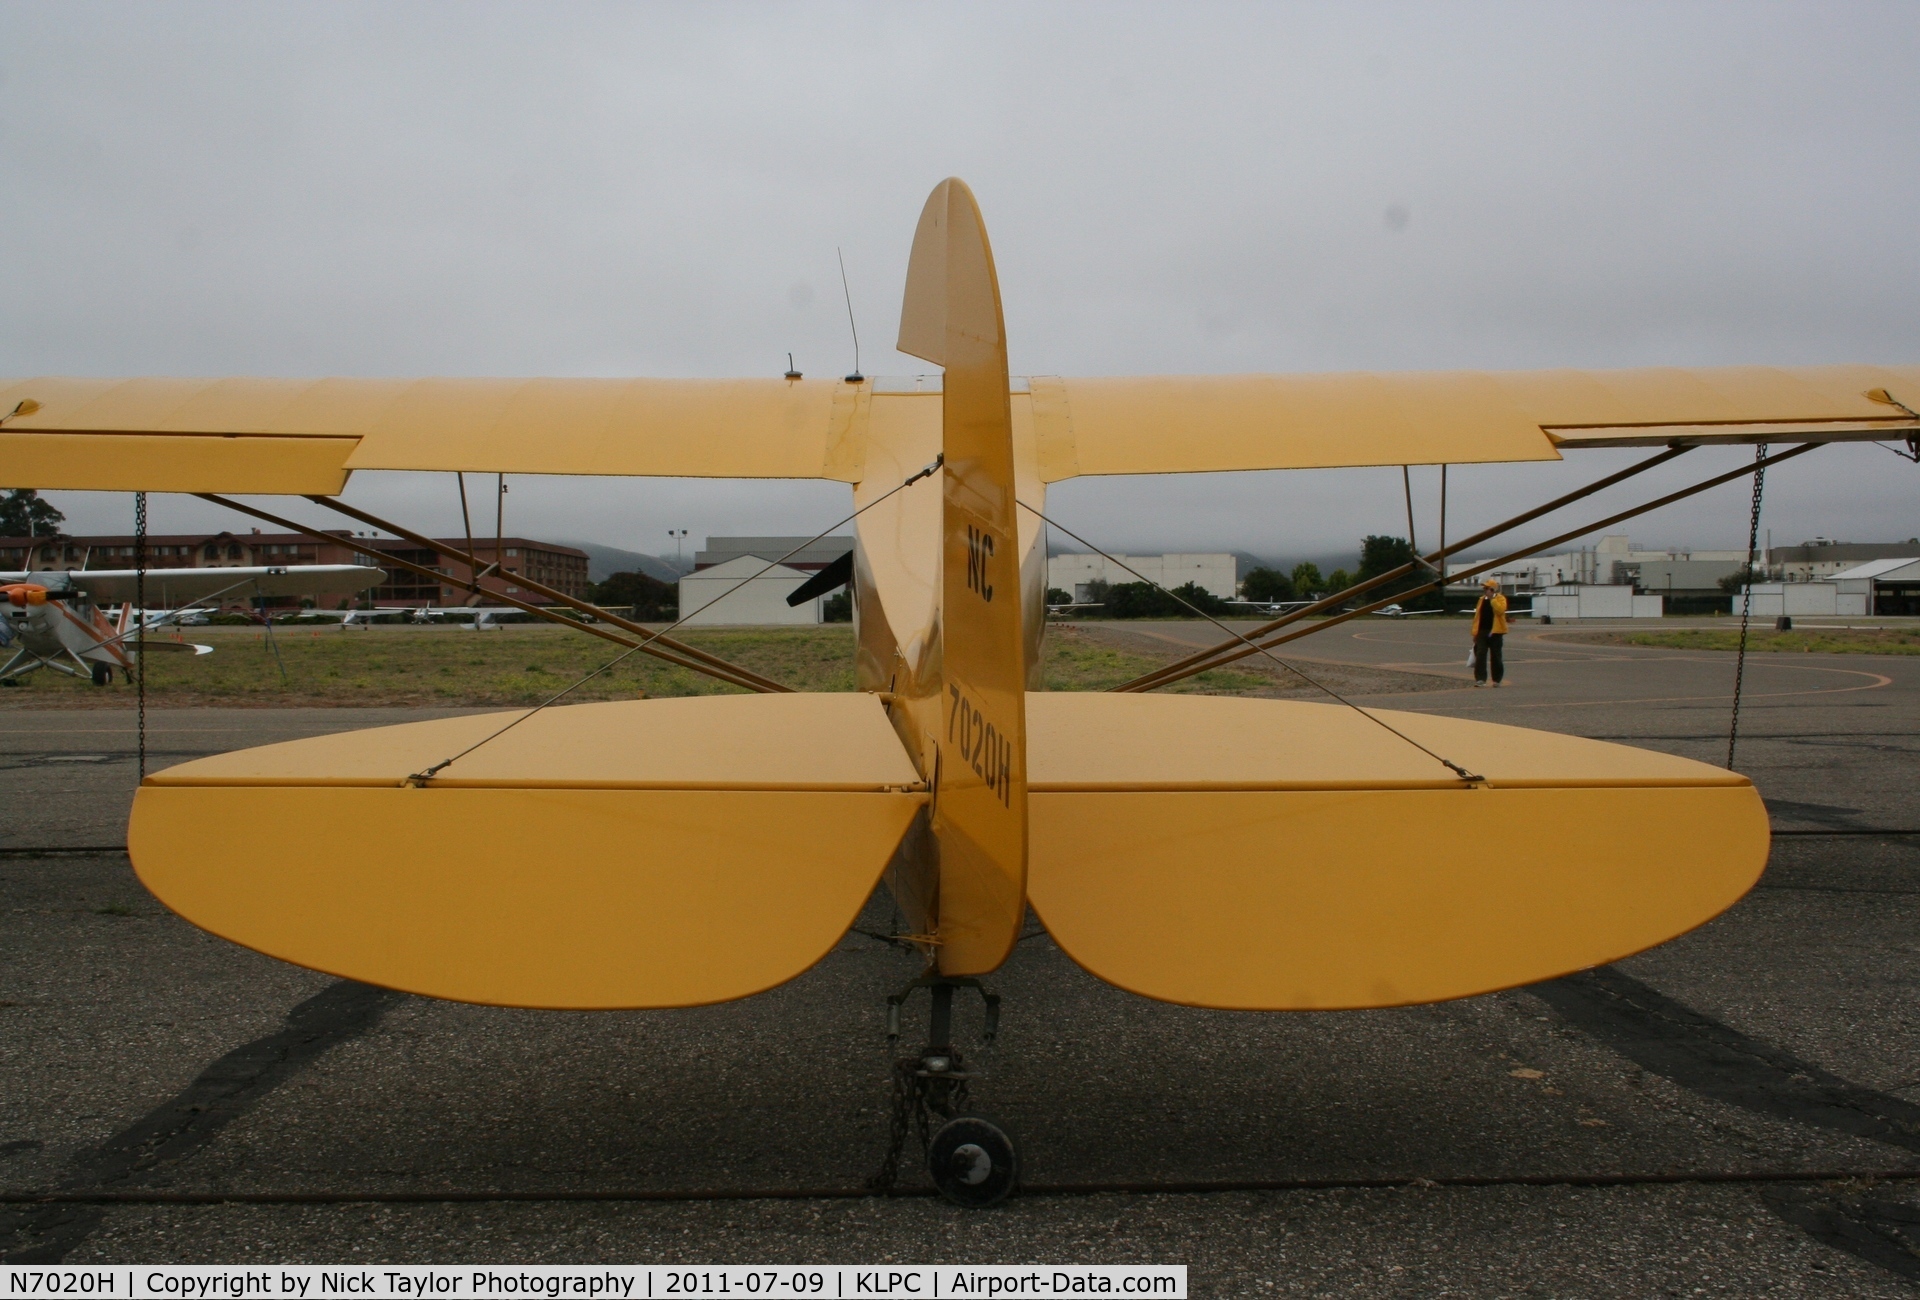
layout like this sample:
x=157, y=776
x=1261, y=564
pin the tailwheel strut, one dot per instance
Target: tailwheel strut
x=972, y=1159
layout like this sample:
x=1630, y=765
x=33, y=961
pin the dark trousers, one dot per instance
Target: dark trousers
x=1488, y=649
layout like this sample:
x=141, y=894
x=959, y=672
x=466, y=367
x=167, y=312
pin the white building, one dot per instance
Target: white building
x=762, y=601
x=1683, y=569
x=1885, y=586
x=1076, y=573
x=1822, y=559
x=1594, y=600
x=1804, y=600
x=1615, y=560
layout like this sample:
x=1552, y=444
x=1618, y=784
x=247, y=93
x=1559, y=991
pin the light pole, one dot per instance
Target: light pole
x=678, y=535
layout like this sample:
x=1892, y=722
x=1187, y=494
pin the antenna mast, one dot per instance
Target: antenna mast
x=856, y=377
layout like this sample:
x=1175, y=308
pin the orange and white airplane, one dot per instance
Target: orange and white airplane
x=57, y=620
x=1216, y=852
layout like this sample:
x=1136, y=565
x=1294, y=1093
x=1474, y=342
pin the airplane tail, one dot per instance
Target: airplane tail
x=951, y=316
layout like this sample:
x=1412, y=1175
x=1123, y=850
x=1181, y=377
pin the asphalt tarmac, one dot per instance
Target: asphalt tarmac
x=1737, y=1112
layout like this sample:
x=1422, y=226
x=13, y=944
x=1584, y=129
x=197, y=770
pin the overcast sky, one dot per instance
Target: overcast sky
x=575, y=189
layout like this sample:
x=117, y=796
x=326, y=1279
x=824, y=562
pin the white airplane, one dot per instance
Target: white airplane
x=1272, y=606
x=193, y=616
x=56, y=618
x=483, y=616
x=352, y=618
x=1395, y=611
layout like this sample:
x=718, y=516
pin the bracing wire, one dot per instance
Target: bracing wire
x=1746, y=597
x=1447, y=763
x=140, y=628
x=421, y=778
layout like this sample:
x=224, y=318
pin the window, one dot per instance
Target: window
x=512, y=590
x=211, y=551
x=513, y=552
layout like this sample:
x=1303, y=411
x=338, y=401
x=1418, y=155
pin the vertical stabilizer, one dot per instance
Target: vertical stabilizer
x=951, y=316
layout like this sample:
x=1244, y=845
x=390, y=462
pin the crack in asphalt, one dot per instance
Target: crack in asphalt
x=224, y=1091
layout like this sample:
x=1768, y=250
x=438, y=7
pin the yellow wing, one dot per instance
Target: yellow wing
x=1172, y=424
x=649, y=853
x=293, y=436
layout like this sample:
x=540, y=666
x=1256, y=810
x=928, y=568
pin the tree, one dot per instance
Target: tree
x=1140, y=600
x=1338, y=581
x=1096, y=595
x=1055, y=596
x=837, y=608
x=1267, y=584
x=24, y=514
x=1307, y=580
x=652, y=600
x=1740, y=577
x=1200, y=598
x=1380, y=554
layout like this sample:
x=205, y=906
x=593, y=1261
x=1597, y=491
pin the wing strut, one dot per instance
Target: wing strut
x=1329, y=603
x=422, y=777
x=1228, y=651
x=394, y=561
x=646, y=636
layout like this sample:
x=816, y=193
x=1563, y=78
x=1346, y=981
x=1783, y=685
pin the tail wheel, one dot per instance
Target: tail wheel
x=973, y=1162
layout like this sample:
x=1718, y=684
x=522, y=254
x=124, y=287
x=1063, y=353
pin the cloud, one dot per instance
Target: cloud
x=508, y=190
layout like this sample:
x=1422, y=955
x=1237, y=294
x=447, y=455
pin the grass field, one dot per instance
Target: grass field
x=524, y=664
x=1812, y=640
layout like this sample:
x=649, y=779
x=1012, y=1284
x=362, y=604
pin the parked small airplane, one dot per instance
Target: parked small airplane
x=354, y=618
x=477, y=618
x=188, y=616
x=1272, y=606
x=1395, y=611
x=56, y=618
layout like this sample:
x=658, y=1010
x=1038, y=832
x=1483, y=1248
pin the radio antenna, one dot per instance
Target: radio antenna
x=856, y=377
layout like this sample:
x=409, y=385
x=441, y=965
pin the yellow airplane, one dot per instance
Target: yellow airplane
x=1201, y=850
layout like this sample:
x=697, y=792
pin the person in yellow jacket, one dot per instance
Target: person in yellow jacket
x=1489, y=634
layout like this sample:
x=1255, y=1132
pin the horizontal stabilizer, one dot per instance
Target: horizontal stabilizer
x=649, y=853
x=1274, y=855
